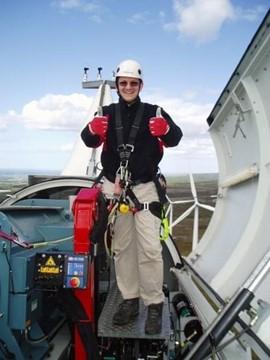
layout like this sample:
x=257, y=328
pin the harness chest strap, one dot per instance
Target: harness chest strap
x=125, y=149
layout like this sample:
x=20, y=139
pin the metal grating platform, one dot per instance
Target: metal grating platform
x=134, y=330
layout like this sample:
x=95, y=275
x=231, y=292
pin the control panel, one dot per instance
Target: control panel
x=76, y=271
x=59, y=270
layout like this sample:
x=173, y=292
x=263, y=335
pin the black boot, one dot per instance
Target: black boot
x=153, y=322
x=127, y=311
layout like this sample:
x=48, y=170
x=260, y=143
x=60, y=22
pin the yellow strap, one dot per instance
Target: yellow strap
x=164, y=229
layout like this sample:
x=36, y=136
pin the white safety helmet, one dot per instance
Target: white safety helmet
x=129, y=68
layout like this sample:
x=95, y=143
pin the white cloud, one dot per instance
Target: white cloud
x=67, y=4
x=11, y=117
x=250, y=14
x=54, y=148
x=147, y=18
x=3, y=122
x=83, y=5
x=199, y=147
x=66, y=147
x=201, y=19
x=89, y=7
x=196, y=146
x=57, y=112
x=71, y=112
x=141, y=18
x=190, y=116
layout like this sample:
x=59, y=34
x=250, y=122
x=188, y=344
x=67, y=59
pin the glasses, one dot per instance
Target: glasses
x=125, y=83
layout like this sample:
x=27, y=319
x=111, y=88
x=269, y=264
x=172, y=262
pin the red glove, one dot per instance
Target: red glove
x=158, y=126
x=99, y=125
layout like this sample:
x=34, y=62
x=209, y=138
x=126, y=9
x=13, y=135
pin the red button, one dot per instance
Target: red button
x=74, y=282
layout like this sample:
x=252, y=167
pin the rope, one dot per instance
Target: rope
x=46, y=243
x=111, y=220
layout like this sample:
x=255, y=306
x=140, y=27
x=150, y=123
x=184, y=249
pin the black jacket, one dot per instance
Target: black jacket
x=143, y=163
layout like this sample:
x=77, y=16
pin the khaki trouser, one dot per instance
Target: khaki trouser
x=137, y=248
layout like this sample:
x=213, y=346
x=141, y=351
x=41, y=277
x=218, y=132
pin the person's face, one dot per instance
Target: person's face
x=129, y=88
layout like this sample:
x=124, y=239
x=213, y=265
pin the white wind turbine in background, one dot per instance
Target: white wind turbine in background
x=195, y=206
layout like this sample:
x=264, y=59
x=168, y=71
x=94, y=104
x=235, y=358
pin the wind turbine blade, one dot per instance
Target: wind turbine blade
x=183, y=201
x=168, y=210
x=192, y=186
x=183, y=216
x=195, y=228
x=207, y=207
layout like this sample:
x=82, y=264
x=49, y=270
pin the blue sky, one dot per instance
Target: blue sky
x=188, y=50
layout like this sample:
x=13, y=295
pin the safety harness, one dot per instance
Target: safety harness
x=123, y=175
x=125, y=150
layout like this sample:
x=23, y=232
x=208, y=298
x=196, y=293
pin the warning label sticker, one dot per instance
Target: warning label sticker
x=50, y=262
x=49, y=270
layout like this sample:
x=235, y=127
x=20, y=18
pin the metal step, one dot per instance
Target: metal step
x=133, y=330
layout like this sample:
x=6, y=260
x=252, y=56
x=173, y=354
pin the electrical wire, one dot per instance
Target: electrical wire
x=44, y=337
x=16, y=240
x=5, y=351
x=53, y=242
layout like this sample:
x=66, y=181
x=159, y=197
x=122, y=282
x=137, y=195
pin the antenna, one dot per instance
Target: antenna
x=85, y=75
x=95, y=84
x=99, y=73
